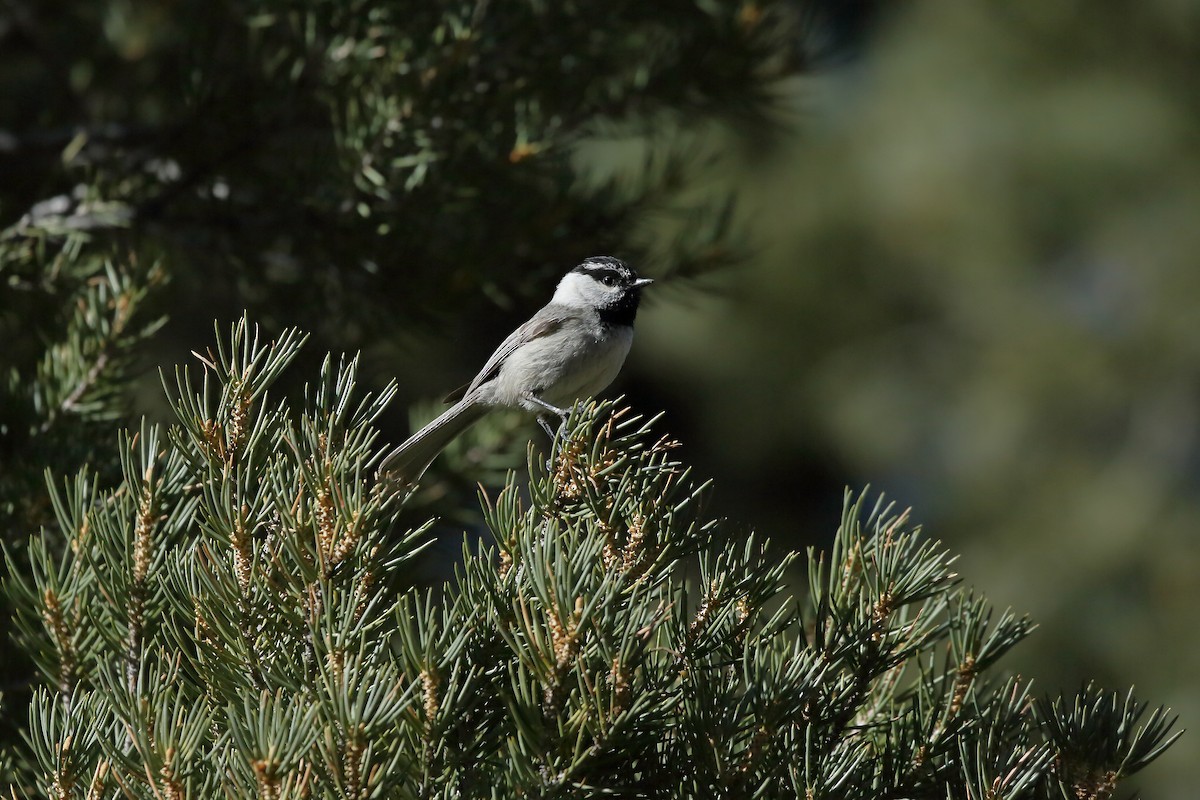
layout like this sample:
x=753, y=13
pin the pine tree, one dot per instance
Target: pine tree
x=370, y=163
x=235, y=617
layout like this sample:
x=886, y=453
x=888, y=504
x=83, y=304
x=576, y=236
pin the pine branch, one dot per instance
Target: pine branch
x=234, y=619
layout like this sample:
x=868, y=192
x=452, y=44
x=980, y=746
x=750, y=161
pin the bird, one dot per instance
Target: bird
x=571, y=349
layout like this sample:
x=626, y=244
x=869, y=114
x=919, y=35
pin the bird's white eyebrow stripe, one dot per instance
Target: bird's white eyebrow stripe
x=600, y=269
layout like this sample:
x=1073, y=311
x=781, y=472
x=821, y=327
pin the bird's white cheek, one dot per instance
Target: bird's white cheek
x=574, y=291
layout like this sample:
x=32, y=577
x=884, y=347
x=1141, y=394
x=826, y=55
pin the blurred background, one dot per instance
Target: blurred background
x=945, y=249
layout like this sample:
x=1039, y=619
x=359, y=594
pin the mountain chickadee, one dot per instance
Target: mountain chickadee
x=572, y=348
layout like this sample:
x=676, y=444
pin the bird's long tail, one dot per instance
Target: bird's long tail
x=412, y=457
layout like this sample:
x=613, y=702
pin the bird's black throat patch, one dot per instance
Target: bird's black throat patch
x=621, y=311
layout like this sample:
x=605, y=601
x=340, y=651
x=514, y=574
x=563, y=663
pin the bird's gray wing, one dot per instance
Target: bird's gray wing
x=543, y=323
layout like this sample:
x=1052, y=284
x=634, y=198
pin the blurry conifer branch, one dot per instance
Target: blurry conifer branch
x=73, y=317
x=354, y=156
x=233, y=618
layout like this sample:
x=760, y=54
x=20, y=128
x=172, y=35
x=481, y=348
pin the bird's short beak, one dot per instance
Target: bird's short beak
x=640, y=282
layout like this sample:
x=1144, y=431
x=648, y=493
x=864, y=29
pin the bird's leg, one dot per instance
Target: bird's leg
x=543, y=421
x=533, y=398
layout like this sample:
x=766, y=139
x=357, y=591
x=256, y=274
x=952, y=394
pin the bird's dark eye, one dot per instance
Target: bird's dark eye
x=609, y=280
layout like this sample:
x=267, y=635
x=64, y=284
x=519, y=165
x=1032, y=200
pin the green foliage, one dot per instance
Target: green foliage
x=1101, y=738
x=234, y=618
x=983, y=259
